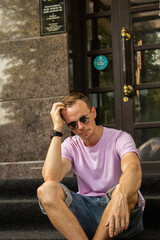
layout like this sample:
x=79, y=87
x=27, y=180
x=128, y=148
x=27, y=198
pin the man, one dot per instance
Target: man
x=108, y=171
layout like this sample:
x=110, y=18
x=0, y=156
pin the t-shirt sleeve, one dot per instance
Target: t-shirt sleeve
x=125, y=144
x=66, y=150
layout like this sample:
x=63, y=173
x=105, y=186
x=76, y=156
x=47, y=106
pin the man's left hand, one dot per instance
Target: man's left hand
x=118, y=219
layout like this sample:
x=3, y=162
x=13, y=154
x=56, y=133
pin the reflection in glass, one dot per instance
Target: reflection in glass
x=99, y=33
x=146, y=27
x=147, y=105
x=98, y=5
x=143, y=3
x=70, y=26
x=147, y=66
x=148, y=143
x=104, y=104
x=71, y=86
x=100, y=78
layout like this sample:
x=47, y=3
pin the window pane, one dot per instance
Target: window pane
x=104, y=104
x=147, y=66
x=100, y=78
x=143, y=3
x=98, y=5
x=146, y=27
x=148, y=143
x=71, y=86
x=99, y=33
x=147, y=105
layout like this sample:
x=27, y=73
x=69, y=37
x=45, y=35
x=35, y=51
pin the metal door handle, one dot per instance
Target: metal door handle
x=128, y=89
x=124, y=34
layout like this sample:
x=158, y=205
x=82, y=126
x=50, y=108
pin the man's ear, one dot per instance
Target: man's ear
x=94, y=112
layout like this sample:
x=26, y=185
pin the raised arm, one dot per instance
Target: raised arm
x=55, y=168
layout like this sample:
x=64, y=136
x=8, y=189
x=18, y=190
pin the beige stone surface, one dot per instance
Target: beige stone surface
x=33, y=75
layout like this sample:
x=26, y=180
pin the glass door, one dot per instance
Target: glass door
x=145, y=21
x=123, y=56
x=115, y=59
x=100, y=60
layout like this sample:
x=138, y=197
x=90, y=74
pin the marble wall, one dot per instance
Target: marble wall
x=33, y=75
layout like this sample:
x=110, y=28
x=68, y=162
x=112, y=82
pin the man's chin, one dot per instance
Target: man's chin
x=84, y=134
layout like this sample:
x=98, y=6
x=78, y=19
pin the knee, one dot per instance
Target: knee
x=49, y=193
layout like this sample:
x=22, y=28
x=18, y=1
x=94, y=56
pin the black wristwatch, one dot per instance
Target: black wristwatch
x=56, y=133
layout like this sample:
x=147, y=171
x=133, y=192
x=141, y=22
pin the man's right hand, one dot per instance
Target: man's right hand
x=56, y=116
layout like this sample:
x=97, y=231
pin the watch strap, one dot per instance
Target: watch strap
x=56, y=133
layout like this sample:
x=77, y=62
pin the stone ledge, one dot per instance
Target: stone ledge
x=21, y=170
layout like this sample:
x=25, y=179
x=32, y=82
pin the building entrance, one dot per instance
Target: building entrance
x=116, y=61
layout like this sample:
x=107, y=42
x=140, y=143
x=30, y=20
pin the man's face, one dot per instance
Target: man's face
x=77, y=113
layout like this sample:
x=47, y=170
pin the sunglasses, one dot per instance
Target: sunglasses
x=83, y=119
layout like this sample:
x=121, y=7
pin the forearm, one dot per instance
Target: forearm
x=53, y=163
x=52, y=169
x=130, y=180
x=124, y=197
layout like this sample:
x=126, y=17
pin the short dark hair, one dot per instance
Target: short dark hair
x=71, y=99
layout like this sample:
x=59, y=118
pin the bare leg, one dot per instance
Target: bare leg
x=52, y=198
x=102, y=232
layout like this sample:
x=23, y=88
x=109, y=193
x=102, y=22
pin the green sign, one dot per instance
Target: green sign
x=100, y=62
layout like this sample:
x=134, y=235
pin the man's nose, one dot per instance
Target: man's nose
x=80, y=125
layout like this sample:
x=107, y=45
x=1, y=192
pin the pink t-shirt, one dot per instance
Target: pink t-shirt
x=98, y=168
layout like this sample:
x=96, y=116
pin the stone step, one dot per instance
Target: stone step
x=151, y=215
x=54, y=235
x=21, y=218
x=150, y=184
x=27, y=188
x=22, y=214
x=18, y=202
x=31, y=235
x=26, y=214
x=148, y=235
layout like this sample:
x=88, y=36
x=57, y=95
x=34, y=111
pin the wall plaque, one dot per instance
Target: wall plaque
x=52, y=16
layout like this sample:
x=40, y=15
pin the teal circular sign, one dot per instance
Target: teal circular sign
x=100, y=62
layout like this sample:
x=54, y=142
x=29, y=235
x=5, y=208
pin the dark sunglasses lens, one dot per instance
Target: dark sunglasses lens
x=84, y=119
x=72, y=125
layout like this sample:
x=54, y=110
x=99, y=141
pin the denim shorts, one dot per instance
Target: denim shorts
x=89, y=210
